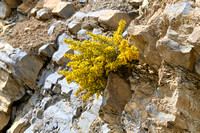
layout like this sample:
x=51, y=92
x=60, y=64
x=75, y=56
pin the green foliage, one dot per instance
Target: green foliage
x=97, y=58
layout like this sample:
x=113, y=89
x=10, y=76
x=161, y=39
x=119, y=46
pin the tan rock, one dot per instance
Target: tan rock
x=140, y=37
x=74, y=27
x=51, y=4
x=43, y=14
x=11, y=3
x=23, y=8
x=183, y=103
x=111, y=18
x=135, y=2
x=194, y=39
x=27, y=68
x=33, y=12
x=64, y=9
x=19, y=126
x=181, y=123
x=116, y=95
x=176, y=54
x=4, y=119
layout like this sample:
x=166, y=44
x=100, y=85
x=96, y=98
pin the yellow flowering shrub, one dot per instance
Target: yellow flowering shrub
x=96, y=59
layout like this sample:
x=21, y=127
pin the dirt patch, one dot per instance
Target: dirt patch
x=108, y=4
x=32, y=34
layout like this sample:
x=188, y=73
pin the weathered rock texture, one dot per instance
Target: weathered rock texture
x=160, y=96
x=170, y=33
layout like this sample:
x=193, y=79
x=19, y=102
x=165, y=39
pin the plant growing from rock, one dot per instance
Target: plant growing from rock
x=96, y=59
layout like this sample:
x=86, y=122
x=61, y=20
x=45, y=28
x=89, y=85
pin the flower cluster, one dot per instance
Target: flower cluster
x=96, y=59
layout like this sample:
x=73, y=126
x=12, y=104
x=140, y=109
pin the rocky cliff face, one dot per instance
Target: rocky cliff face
x=161, y=96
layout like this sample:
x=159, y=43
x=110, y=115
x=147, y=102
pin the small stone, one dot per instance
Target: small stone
x=56, y=90
x=81, y=35
x=64, y=9
x=111, y=18
x=97, y=31
x=43, y=14
x=78, y=16
x=32, y=121
x=44, y=92
x=74, y=26
x=24, y=9
x=33, y=12
x=48, y=50
x=136, y=2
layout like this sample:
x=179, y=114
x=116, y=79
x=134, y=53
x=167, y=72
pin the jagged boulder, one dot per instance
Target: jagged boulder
x=18, y=71
x=43, y=14
x=27, y=67
x=116, y=95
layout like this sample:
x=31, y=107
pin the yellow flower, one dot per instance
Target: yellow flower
x=97, y=58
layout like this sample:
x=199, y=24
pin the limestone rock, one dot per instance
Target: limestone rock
x=164, y=32
x=95, y=15
x=81, y=34
x=27, y=67
x=140, y=37
x=74, y=27
x=111, y=18
x=51, y=4
x=62, y=49
x=33, y=12
x=78, y=16
x=4, y=10
x=194, y=39
x=97, y=31
x=64, y=9
x=178, y=9
x=11, y=88
x=4, y=119
x=43, y=14
x=135, y=2
x=175, y=53
x=89, y=115
x=11, y=3
x=24, y=9
x=116, y=95
x=47, y=50
x=19, y=126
